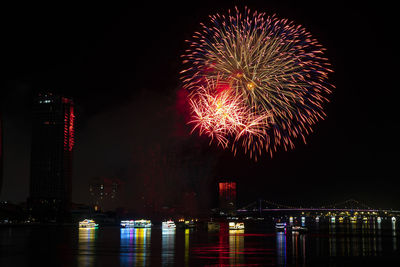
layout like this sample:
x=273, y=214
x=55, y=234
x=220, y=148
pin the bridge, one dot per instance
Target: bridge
x=349, y=207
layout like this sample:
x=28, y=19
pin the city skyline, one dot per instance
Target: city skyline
x=131, y=123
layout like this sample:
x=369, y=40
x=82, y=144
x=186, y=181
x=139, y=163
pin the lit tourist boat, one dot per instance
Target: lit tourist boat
x=142, y=224
x=280, y=226
x=87, y=224
x=236, y=225
x=168, y=225
x=128, y=224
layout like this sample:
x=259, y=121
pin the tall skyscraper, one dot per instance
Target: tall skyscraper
x=227, y=197
x=51, y=156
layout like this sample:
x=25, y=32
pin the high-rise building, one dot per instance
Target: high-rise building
x=51, y=157
x=227, y=197
x=104, y=193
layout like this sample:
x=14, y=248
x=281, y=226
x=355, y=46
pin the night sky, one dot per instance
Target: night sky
x=121, y=65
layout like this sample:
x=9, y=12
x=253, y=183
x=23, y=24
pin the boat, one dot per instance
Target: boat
x=87, y=223
x=280, y=226
x=142, y=224
x=299, y=229
x=127, y=223
x=189, y=224
x=236, y=226
x=168, y=225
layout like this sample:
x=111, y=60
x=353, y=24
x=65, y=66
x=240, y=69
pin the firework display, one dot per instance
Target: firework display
x=255, y=81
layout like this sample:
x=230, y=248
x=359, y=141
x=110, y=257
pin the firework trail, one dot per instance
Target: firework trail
x=255, y=81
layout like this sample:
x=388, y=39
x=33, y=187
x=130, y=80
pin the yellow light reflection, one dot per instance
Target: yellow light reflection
x=187, y=236
x=236, y=247
x=142, y=240
x=86, y=246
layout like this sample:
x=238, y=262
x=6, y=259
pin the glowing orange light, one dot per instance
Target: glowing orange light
x=251, y=85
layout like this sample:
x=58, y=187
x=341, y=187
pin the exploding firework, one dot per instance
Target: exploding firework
x=221, y=114
x=255, y=80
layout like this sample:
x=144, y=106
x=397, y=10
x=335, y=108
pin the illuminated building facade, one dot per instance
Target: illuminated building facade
x=104, y=192
x=51, y=157
x=227, y=197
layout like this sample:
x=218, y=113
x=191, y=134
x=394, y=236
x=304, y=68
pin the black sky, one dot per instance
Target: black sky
x=121, y=66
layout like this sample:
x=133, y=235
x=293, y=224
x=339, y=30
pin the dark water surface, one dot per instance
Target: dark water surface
x=337, y=244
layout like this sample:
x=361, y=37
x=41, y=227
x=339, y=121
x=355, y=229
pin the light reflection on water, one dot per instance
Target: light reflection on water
x=134, y=246
x=236, y=247
x=394, y=236
x=168, y=247
x=257, y=244
x=126, y=253
x=87, y=240
x=281, y=248
x=298, y=248
x=187, y=244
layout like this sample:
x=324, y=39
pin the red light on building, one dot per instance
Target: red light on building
x=69, y=119
x=227, y=197
x=227, y=190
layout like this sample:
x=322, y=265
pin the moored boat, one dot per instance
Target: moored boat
x=168, y=225
x=280, y=226
x=87, y=223
x=236, y=225
x=142, y=224
x=127, y=223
